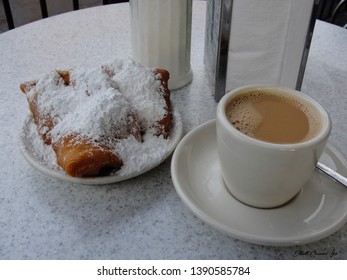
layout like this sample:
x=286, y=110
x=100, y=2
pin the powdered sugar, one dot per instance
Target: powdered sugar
x=93, y=102
x=137, y=157
x=37, y=148
x=142, y=93
x=98, y=98
x=100, y=113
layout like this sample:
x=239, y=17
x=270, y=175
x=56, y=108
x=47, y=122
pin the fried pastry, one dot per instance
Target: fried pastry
x=149, y=96
x=80, y=158
x=164, y=125
x=84, y=113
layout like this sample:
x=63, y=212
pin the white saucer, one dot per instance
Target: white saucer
x=44, y=159
x=316, y=212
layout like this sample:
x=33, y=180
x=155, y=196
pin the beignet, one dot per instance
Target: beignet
x=84, y=113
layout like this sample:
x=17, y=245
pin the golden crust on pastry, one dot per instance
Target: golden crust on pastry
x=83, y=159
x=44, y=122
x=164, y=125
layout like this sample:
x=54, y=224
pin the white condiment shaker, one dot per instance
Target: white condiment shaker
x=161, y=37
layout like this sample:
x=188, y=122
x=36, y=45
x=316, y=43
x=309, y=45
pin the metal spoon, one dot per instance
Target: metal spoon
x=332, y=173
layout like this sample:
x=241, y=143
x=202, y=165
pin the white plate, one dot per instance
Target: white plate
x=316, y=212
x=43, y=163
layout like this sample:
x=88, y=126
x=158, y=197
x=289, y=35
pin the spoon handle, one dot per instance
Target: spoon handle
x=331, y=173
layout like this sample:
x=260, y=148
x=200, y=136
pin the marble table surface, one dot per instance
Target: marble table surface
x=141, y=218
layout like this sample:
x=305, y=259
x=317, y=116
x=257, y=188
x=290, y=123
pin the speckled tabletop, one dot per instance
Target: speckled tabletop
x=141, y=218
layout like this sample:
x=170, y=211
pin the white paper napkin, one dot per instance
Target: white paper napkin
x=267, y=40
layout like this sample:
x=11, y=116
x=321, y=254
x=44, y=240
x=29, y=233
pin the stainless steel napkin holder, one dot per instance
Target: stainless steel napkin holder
x=217, y=38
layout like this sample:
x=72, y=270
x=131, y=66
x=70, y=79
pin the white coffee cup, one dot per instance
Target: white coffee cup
x=261, y=173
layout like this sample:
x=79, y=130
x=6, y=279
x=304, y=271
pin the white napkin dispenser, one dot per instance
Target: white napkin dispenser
x=257, y=42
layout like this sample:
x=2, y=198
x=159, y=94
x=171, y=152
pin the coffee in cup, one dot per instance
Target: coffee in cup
x=269, y=140
x=272, y=116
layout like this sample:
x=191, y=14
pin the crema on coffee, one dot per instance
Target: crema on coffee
x=272, y=116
